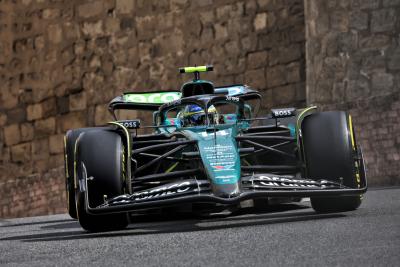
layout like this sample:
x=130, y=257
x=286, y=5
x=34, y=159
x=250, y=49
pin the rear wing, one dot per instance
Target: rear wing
x=143, y=100
x=153, y=100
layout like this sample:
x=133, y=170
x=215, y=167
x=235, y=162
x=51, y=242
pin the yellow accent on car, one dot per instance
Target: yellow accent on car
x=351, y=133
x=128, y=141
x=247, y=163
x=75, y=149
x=172, y=167
x=195, y=69
x=299, y=118
x=66, y=157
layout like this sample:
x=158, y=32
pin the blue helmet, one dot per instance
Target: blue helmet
x=194, y=115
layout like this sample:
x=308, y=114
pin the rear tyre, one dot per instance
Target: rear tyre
x=330, y=152
x=100, y=157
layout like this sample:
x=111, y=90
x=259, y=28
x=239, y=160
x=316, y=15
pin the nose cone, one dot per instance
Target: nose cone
x=221, y=160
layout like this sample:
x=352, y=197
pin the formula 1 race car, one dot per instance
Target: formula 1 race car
x=207, y=149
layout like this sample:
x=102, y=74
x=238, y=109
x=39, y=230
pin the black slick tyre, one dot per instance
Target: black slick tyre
x=100, y=157
x=329, y=152
x=69, y=151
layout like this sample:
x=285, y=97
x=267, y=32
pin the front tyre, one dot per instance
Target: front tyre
x=330, y=153
x=100, y=158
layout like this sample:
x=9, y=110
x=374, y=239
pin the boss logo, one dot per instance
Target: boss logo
x=286, y=112
x=130, y=124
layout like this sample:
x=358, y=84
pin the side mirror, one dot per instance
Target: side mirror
x=247, y=111
x=156, y=118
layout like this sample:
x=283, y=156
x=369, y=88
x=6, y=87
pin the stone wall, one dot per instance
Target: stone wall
x=61, y=61
x=353, y=63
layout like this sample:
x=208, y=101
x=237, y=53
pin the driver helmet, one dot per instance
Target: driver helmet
x=194, y=115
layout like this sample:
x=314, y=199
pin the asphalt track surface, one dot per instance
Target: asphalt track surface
x=286, y=235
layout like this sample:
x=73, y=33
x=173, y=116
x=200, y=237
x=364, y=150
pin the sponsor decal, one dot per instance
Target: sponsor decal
x=285, y=112
x=163, y=191
x=219, y=133
x=225, y=167
x=152, y=98
x=130, y=124
x=220, y=157
x=225, y=178
x=286, y=182
x=232, y=98
x=218, y=167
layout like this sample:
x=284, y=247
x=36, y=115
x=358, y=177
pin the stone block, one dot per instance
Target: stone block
x=257, y=60
x=54, y=33
x=359, y=20
x=394, y=60
x=357, y=89
x=207, y=36
x=45, y=127
x=125, y=6
x=232, y=48
x=77, y=101
x=267, y=4
x=260, y=22
x=21, y=153
x=40, y=149
x=79, y=47
x=284, y=94
x=249, y=43
x=7, y=99
x=12, y=134
x=91, y=9
x=297, y=34
x=276, y=76
x=62, y=104
x=112, y=25
x=93, y=29
x=382, y=82
x=16, y=115
x=49, y=107
x=339, y=21
x=34, y=112
x=391, y=3
x=207, y=17
x=27, y=131
x=42, y=93
x=56, y=144
x=290, y=53
x=51, y=13
x=3, y=119
x=71, y=120
x=383, y=20
x=220, y=31
x=222, y=12
x=250, y=7
x=294, y=72
x=366, y=4
x=256, y=78
x=178, y=4
x=127, y=23
x=102, y=115
x=71, y=30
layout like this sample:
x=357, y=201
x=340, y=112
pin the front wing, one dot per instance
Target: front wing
x=192, y=191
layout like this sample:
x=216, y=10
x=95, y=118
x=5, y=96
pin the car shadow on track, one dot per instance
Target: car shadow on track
x=7, y=224
x=178, y=223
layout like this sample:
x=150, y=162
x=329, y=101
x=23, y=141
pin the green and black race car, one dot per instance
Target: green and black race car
x=208, y=150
